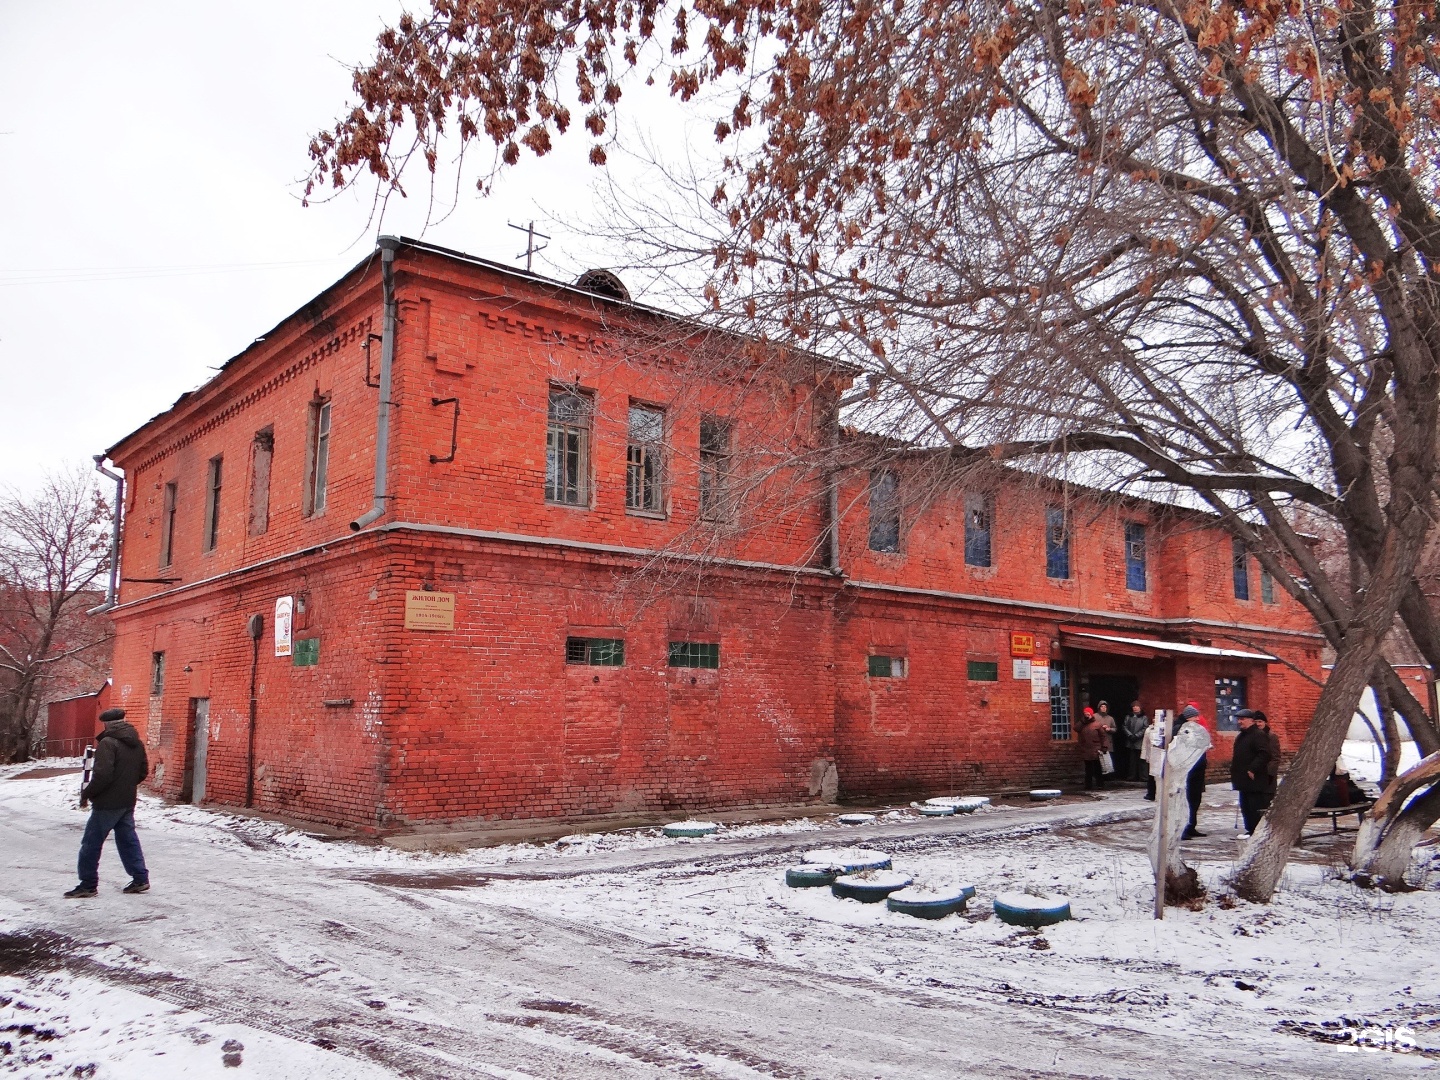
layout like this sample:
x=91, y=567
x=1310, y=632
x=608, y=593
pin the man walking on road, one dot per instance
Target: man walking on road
x=120, y=766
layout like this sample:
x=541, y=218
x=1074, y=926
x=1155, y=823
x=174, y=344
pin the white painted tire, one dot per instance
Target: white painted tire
x=851, y=860
x=856, y=819
x=691, y=828
x=937, y=811
x=869, y=887
x=1022, y=909
x=1045, y=794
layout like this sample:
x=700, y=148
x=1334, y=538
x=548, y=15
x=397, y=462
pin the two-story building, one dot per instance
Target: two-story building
x=456, y=541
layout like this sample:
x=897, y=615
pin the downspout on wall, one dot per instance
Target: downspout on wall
x=388, y=246
x=110, y=589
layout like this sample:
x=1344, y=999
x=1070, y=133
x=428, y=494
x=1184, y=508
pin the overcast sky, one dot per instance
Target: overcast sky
x=152, y=227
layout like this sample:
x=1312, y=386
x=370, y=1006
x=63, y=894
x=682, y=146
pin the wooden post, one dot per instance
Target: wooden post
x=1162, y=722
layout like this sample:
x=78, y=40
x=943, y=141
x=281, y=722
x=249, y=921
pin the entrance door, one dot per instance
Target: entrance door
x=193, y=790
x=1118, y=691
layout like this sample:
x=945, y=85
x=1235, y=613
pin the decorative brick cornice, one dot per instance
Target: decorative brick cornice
x=264, y=389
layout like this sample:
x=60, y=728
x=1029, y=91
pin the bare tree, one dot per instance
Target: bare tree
x=54, y=549
x=1191, y=246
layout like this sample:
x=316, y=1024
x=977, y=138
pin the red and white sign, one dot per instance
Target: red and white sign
x=284, y=624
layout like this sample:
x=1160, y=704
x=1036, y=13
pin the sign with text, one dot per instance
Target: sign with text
x=284, y=623
x=1022, y=644
x=1020, y=669
x=429, y=610
x=1039, y=681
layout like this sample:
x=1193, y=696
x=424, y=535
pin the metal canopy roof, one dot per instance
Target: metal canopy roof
x=1129, y=646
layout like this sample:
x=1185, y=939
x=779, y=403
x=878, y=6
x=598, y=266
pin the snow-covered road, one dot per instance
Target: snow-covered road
x=610, y=958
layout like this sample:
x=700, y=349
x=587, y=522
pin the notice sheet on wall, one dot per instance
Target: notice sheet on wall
x=1039, y=681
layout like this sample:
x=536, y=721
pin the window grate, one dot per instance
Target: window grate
x=595, y=652
x=1229, y=699
x=695, y=654
x=1059, y=701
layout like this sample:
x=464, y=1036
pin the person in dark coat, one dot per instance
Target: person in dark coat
x=1340, y=790
x=1094, y=740
x=1132, y=729
x=1250, y=770
x=1274, y=741
x=120, y=766
x=1195, y=780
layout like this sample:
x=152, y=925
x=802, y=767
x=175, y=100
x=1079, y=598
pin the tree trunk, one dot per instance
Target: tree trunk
x=1265, y=856
x=1187, y=746
x=1395, y=824
x=1388, y=739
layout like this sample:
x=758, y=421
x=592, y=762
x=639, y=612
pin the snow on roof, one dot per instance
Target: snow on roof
x=1178, y=647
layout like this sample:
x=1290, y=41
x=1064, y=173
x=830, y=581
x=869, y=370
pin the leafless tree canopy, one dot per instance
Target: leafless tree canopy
x=54, y=551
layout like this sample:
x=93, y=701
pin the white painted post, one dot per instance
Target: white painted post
x=1163, y=719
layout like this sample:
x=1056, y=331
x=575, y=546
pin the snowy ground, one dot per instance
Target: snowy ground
x=276, y=954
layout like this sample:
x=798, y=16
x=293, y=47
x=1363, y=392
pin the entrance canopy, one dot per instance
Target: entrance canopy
x=1148, y=649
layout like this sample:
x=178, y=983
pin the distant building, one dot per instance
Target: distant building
x=603, y=578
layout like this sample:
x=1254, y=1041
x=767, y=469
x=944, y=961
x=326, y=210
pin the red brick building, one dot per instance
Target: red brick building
x=604, y=579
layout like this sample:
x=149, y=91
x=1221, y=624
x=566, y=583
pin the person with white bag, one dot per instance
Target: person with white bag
x=1094, y=742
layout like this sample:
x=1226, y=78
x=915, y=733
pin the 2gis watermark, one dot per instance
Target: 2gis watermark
x=1357, y=1036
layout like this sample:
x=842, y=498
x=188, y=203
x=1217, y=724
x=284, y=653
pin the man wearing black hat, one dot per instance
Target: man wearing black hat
x=120, y=766
x=1250, y=773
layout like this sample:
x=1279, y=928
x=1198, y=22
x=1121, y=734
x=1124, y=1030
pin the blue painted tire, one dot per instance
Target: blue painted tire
x=850, y=860
x=811, y=876
x=870, y=887
x=926, y=904
x=691, y=828
x=1021, y=909
x=1045, y=794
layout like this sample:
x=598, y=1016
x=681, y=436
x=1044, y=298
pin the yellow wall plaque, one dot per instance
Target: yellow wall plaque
x=429, y=610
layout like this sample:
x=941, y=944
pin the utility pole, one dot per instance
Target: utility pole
x=530, y=237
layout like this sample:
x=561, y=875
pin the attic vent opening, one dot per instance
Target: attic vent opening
x=603, y=283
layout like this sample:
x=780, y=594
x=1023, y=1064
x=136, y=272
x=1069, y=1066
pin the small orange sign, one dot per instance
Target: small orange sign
x=1022, y=644
x=429, y=610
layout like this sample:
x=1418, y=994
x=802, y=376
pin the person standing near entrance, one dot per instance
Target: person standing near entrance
x=1132, y=730
x=1094, y=740
x=120, y=766
x=1106, y=719
x=1250, y=770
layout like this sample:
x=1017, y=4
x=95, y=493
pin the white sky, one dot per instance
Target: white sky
x=150, y=158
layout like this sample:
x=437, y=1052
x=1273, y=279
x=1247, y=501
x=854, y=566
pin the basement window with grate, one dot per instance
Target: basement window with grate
x=595, y=652
x=695, y=654
x=982, y=671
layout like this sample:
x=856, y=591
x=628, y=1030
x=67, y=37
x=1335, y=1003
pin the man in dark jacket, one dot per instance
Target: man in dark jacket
x=1250, y=770
x=120, y=766
x=1274, y=741
x=1133, y=729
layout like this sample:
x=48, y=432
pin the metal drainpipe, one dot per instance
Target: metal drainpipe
x=388, y=246
x=114, y=536
x=832, y=493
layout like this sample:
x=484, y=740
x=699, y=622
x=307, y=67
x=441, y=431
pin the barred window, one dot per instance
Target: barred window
x=567, y=449
x=157, y=674
x=714, y=469
x=884, y=511
x=695, y=654
x=1059, y=701
x=644, y=461
x=596, y=652
x=317, y=474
